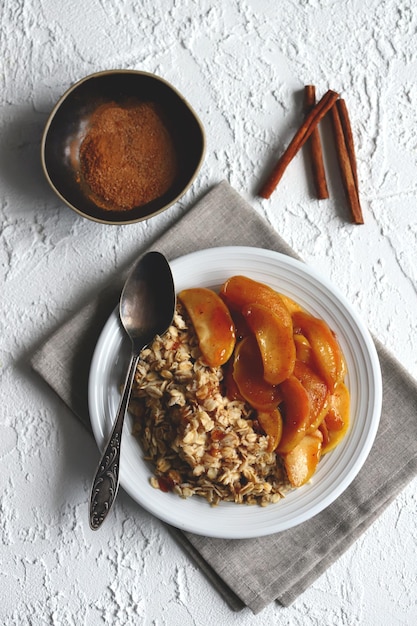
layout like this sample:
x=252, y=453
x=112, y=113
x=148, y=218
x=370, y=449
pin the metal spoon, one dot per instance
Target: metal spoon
x=146, y=309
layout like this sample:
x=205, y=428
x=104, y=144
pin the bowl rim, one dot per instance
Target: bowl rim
x=98, y=74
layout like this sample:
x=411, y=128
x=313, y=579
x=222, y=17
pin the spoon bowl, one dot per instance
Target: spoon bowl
x=146, y=309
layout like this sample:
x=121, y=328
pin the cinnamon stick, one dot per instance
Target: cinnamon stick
x=316, y=153
x=303, y=133
x=347, y=162
x=347, y=132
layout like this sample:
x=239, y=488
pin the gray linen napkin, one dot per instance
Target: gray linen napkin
x=255, y=572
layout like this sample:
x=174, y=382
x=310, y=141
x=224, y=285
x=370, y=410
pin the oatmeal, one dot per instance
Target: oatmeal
x=199, y=441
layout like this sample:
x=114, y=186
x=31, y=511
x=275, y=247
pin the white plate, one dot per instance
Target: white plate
x=210, y=268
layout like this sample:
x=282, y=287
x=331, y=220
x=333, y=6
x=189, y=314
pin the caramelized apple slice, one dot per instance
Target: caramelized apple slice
x=241, y=325
x=271, y=423
x=325, y=434
x=212, y=323
x=275, y=341
x=239, y=291
x=248, y=376
x=302, y=461
x=327, y=354
x=337, y=417
x=318, y=393
x=231, y=390
x=291, y=305
x=303, y=351
x=296, y=413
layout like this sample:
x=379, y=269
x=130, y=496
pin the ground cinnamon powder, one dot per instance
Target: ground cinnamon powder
x=127, y=157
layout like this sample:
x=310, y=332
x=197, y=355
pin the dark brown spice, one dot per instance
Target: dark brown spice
x=127, y=157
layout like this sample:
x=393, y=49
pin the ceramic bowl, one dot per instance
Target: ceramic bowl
x=336, y=470
x=70, y=121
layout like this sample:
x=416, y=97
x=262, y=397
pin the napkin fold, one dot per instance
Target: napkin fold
x=254, y=572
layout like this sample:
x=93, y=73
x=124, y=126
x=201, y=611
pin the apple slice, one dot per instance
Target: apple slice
x=303, y=349
x=291, y=304
x=271, y=423
x=338, y=417
x=241, y=325
x=248, y=376
x=230, y=388
x=301, y=463
x=296, y=414
x=318, y=393
x=275, y=340
x=328, y=357
x=212, y=323
x=239, y=291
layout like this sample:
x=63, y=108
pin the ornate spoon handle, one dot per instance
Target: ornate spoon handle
x=106, y=480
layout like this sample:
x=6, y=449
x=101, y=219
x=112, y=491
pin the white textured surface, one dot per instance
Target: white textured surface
x=242, y=66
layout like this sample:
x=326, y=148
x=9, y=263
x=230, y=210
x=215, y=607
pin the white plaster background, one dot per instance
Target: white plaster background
x=241, y=64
